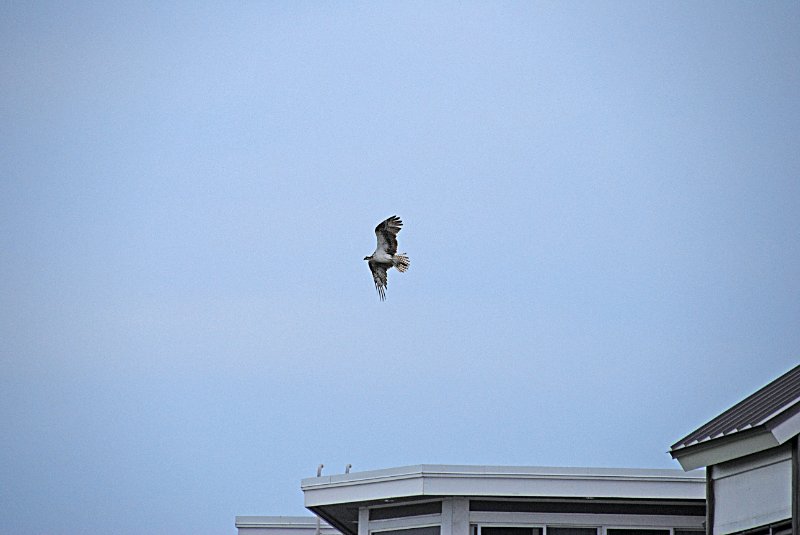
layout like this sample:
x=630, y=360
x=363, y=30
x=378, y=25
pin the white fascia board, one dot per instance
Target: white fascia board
x=708, y=454
x=567, y=487
x=787, y=429
x=362, y=487
x=283, y=522
x=490, y=481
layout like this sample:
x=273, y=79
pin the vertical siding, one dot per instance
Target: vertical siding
x=753, y=491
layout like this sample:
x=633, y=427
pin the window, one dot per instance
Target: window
x=637, y=532
x=494, y=530
x=780, y=528
x=571, y=531
x=400, y=511
x=428, y=530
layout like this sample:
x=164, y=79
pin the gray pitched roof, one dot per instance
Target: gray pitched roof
x=776, y=401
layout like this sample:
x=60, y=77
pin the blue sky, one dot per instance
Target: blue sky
x=601, y=205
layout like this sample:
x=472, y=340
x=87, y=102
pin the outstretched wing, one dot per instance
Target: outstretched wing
x=379, y=275
x=387, y=235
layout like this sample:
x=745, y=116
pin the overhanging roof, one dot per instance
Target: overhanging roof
x=283, y=525
x=765, y=419
x=337, y=497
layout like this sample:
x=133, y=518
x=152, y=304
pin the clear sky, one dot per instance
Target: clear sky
x=601, y=205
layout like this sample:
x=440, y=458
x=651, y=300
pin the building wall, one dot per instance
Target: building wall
x=753, y=491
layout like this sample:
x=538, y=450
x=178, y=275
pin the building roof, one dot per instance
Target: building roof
x=766, y=418
x=282, y=525
x=336, y=498
x=468, y=480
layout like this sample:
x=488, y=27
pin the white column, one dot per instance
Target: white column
x=447, y=517
x=363, y=521
x=460, y=516
x=455, y=516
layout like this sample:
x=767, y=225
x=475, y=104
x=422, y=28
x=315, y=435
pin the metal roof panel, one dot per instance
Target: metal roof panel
x=764, y=405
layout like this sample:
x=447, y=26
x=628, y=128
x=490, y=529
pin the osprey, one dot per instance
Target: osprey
x=386, y=256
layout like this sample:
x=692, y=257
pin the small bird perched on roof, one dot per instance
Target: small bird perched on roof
x=386, y=256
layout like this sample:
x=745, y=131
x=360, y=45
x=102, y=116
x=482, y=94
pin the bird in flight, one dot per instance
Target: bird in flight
x=386, y=256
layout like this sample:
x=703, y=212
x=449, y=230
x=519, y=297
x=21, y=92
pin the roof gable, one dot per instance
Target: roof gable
x=767, y=418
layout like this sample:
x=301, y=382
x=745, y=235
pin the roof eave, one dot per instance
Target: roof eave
x=786, y=425
x=775, y=432
x=725, y=448
x=437, y=480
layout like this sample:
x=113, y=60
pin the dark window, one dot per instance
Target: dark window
x=411, y=509
x=638, y=532
x=571, y=531
x=688, y=532
x=782, y=529
x=590, y=506
x=430, y=530
x=493, y=530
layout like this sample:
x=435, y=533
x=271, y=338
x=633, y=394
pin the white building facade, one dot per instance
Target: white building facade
x=752, y=457
x=750, y=486
x=492, y=500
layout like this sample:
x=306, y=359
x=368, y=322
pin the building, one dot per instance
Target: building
x=751, y=486
x=496, y=500
x=752, y=461
x=283, y=525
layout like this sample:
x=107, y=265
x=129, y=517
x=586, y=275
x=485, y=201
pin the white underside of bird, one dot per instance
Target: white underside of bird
x=382, y=257
x=386, y=256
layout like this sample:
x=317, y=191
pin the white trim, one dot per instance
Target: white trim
x=787, y=429
x=780, y=410
x=712, y=454
x=706, y=452
x=498, y=481
x=282, y=525
x=282, y=522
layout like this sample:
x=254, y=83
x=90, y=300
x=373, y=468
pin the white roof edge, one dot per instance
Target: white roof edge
x=781, y=409
x=502, y=482
x=509, y=472
x=286, y=522
x=759, y=438
x=765, y=421
x=714, y=453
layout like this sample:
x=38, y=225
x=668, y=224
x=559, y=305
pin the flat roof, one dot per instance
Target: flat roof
x=299, y=522
x=283, y=525
x=337, y=498
x=485, y=481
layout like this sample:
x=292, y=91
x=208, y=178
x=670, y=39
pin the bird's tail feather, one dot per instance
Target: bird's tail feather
x=401, y=262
